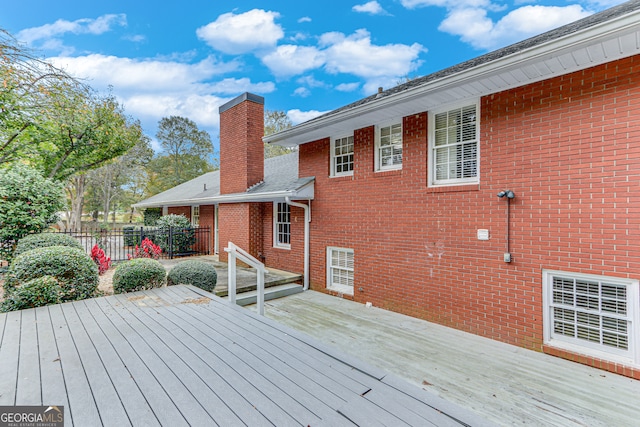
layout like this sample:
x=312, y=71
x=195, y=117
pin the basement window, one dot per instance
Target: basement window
x=340, y=270
x=592, y=315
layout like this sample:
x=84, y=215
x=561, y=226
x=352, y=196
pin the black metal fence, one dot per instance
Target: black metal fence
x=119, y=244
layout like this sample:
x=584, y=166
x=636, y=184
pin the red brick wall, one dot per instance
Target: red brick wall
x=207, y=219
x=233, y=220
x=180, y=210
x=568, y=147
x=291, y=259
x=241, y=147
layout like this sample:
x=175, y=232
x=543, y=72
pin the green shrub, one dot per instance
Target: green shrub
x=194, y=272
x=29, y=204
x=178, y=227
x=151, y=216
x=138, y=274
x=44, y=240
x=41, y=291
x=74, y=270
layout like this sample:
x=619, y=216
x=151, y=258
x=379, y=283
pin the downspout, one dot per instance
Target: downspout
x=307, y=220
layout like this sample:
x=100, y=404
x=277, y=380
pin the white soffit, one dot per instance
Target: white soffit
x=606, y=42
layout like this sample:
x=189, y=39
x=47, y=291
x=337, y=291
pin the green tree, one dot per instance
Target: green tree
x=30, y=94
x=28, y=204
x=108, y=184
x=186, y=154
x=275, y=121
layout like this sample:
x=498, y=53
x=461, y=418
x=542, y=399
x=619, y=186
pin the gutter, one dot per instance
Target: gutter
x=232, y=198
x=307, y=220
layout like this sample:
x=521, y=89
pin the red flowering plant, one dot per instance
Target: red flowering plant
x=147, y=249
x=103, y=262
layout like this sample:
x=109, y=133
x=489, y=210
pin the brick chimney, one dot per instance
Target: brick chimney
x=241, y=147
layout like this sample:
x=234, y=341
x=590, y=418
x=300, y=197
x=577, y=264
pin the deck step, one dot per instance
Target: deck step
x=272, y=292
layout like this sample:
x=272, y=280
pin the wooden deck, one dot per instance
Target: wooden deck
x=181, y=356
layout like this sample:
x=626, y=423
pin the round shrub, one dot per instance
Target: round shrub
x=183, y=236
x=74, y=270
x=44, y=290
x=44, y=240
x=138, y=274
x=193, y=272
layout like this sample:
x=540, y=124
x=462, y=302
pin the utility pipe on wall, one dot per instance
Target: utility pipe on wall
x=307, y=220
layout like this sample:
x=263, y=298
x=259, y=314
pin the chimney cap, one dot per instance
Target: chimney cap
x=240, y=99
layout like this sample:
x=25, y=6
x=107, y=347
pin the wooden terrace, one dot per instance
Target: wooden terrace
x=181, y=356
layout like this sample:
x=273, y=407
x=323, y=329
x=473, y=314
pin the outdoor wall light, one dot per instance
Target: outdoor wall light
x=507, y=193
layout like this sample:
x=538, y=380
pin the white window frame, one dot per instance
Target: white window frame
x=342, y=288
x=281, y=226
x=629, y=356
x=379, y=147
x=195, y=216
x=432, y=168
x=334, y=156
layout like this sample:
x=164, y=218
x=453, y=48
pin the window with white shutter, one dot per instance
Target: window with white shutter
x=454, y=144
x=340, y=270
x=593, y=315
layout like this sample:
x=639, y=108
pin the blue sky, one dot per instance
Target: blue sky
x=304, y=57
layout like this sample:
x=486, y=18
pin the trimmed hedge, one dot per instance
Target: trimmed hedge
x=194, y=272
x=41, y=291
x=137, y=275
x=183, y=236
x=45, y=240
x=151, y=216
x=74, y=270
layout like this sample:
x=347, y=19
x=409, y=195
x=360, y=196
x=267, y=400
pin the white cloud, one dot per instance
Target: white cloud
x=476, y=28
x=356, y=55
x=304, y=19
x=298, y=116
x=242, y=33
x=347, y=87
x=289, y=60
x=372, y=7
x=449, y=4
x=310, y=81
x=96, y=26
x=302, y=92
x=151, y=89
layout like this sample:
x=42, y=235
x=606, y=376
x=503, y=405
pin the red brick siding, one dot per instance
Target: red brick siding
x=233, y=220
x=284, y=259
x=207, y=219
x=180, y=210
x=568, y=147
x=241, y=147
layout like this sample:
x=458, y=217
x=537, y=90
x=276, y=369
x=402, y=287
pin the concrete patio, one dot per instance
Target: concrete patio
x=503, y=383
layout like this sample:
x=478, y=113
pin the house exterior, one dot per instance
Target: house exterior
x=500, y=196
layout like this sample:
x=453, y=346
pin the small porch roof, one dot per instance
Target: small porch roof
x=280, y=181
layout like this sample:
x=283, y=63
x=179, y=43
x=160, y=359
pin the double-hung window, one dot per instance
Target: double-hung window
x=454, y=145
x=593, y=315
x=342, y=156
x=389, y=146
x=340, y=270
x=281, y=225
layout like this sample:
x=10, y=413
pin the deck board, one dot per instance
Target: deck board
x=9, y=355
x=28, y=388
x=181, y=356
